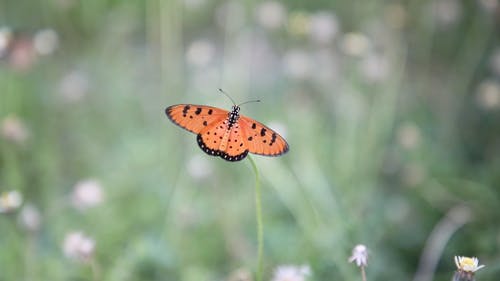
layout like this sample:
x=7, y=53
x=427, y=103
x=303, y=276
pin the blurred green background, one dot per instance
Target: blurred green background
x=391, y=110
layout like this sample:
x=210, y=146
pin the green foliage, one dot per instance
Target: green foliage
x=393, y=123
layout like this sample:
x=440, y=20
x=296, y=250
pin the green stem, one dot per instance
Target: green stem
x=260, y=225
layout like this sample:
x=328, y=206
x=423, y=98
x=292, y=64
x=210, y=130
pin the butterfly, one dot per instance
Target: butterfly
x=227, y=133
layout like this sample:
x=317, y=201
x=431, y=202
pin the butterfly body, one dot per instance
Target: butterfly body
x=227, y=133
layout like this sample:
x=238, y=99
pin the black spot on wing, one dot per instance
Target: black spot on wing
x=263, y=132
x=185, y=110
x=273, y=139
x=198, y=111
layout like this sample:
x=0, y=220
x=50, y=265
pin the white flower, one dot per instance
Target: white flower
x=323, y=27
x=77, y=246
x=489, y=5
x=375, y=67
x=199, y=167
x=467, y=264
x=74, y=86
x=5, y=40
x=488, y=94
x=291, y=273
x=299, y=23
x=30, y=218
x=409, y=136
x=230, y=16
x=271, y=14
x=297, y=64
x=194, y=4
x=446, y=12
x=359, y=255
x=46, y=41
x=87, y=194
x=355, y=44
x=9, y=201
x=14, y=130
x=200, y=53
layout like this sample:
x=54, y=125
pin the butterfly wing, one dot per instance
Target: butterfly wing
x=260, y=139
x=216, y=138
x=220, y=140
x=195, y=118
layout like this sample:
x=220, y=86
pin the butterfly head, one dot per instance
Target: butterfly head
x=235, y=109
x=234, y=114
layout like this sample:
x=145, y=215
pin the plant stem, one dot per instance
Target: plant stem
x=260, y=225
x=363, y=273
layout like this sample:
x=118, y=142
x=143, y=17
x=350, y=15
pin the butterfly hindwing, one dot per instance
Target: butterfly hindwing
x=221, y=140
x=195, y=118
x=260, y=139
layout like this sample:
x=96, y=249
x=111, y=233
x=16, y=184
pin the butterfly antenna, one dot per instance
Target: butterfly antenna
x=249, y=102
x=227, y=96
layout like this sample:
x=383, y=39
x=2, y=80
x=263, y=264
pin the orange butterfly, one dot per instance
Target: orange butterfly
x=227, y=133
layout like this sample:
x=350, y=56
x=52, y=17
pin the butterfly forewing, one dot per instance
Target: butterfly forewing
x=195, y=118
x=260, y=139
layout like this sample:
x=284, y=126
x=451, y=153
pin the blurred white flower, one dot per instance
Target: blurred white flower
x=395, y=15
x=200, y=53
x=194, y=4
x=240, y=275
x=87, y=194
x=359, y=255
x=488, y=94
x=408, y=136
x=291, y=273
x=375, y=67
x=299, y=23
x=495, y=62
x=46, y=41
x=74, y=86
x=297, y=64
x=324, y=27
x=14, y=130
x=327, y=67
x=270, y=14
x=199, y=167
x=77, y=246
x=10, y=201
x=22, y=55
x=467, y=264
x=413, y=174
x=30, y=218
x=230, y=16
x=355, y=44
x=489, y=5
x=5, y=40
x=445, y=12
